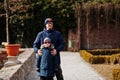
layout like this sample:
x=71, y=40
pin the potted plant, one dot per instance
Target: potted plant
x=12, y=49
x=12, y=54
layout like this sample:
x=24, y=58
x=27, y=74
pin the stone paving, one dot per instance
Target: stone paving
x=74, y=68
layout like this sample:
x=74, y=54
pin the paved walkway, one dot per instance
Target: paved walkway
x=74, y=68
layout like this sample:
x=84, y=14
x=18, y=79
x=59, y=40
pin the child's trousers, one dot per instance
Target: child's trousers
x=38, y=60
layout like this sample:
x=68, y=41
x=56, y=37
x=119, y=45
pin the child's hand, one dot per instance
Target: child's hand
x=40, y=52
x=54, y=52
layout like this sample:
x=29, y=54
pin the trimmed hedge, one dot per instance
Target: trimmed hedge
x=116, y=74
x=115, y=58
x=86, y=55
x=101, y=59
x=104, y=51
x=108, y=56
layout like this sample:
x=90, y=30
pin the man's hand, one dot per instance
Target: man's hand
x=40, y=52
x=54, y=52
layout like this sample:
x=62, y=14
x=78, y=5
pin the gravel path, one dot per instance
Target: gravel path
x=74, y=68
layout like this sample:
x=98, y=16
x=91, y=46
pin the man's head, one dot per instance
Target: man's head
x=48, y=23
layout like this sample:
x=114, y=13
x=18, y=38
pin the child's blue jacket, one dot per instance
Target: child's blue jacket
x=48, y=63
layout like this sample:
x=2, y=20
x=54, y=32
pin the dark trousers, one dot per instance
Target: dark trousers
x=38, y=60
x=46, y=78
x=58, y=74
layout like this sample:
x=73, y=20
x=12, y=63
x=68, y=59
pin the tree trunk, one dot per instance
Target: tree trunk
x=6, y=6
x=87, y=25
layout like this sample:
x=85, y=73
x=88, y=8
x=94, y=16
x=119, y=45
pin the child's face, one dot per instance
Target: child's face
x=47, y=43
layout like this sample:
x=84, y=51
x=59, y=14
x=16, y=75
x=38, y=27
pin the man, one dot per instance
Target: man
x=56, y=40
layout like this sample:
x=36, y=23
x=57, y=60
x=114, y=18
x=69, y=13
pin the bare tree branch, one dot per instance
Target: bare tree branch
x=2, y=15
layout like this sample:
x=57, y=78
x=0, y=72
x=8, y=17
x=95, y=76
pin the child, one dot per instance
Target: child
x=48, y=63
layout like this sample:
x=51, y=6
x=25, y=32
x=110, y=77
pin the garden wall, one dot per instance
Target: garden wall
x=20, y=71
x=99, y=26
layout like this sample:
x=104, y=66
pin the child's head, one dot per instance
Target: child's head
x=47, y=42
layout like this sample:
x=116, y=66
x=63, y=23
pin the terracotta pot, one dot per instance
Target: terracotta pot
x=12, y=49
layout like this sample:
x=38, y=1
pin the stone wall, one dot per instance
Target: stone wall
x=19, y=71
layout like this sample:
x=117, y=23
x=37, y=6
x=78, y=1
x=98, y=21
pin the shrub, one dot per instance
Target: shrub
x=115, y=58
x=86, y=56
x=101, y=56
x=116, y=74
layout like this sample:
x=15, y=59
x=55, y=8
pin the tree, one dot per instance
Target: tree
x=15, y=10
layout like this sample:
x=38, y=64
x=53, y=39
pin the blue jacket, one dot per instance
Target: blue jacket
x=56, y=39
x=48, y=63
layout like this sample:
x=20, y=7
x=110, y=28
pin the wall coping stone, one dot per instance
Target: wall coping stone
x=19, y=71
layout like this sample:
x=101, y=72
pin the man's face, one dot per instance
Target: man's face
x=49, y=25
